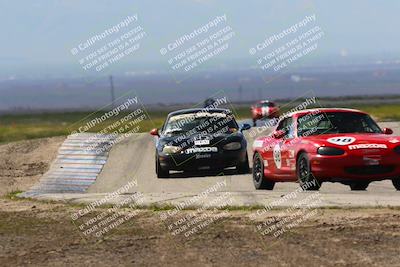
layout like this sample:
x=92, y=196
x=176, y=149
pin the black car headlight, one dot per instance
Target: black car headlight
x=397, y=149
x=171, y=149
x=233, y=146
x=330, y=151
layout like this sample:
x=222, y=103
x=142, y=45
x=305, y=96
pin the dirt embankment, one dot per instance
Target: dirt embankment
x=23, y=163
x=40, y=234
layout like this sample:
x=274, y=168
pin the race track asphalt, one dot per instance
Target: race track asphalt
x=133, y=160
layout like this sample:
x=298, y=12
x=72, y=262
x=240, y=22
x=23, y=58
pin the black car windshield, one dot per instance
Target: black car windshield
x=200, y=122
x=336, y=122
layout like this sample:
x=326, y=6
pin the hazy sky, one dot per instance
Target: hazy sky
x=45, y=30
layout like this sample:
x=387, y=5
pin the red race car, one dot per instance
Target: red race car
x=264, y=110
x=317, y=145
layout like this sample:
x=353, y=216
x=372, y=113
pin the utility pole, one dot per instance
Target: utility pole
x=112, y=92
x=240, y=93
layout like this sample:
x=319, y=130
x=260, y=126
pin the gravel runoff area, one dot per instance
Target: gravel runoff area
x=36, y=233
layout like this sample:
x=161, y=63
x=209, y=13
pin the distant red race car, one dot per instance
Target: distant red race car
x=317, y=145
x=264, y=109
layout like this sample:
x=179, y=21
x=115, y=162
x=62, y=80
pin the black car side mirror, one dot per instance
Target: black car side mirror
x=154, y=132
x=245, y=127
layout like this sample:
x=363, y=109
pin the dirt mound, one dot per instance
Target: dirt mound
x=23, y=163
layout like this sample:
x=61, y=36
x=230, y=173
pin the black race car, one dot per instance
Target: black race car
x=200, y=139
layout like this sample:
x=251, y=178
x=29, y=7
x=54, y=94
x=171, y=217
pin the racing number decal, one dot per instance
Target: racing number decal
x=341, y=141
x=278, y=156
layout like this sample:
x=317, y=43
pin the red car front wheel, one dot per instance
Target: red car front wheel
x=305, y=177
x=259, y=180
x=396, y=183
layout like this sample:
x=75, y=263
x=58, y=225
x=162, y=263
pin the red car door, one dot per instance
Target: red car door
x=288, y=160
x=282, y=150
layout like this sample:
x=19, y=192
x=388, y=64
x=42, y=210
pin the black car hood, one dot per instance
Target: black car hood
x=187, y=141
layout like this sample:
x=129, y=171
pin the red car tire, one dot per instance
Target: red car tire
x=304, y=174
x=259, y=179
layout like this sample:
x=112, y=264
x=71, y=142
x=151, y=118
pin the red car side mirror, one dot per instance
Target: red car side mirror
x=154, y=132
x=387, y=131
x=278, y=134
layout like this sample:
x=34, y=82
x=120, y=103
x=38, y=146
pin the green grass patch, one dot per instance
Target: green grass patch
x=13, y=195
x=386, y=112
x=390, y=112
x=30, y=126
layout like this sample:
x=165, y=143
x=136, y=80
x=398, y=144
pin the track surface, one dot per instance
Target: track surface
x=133, y=159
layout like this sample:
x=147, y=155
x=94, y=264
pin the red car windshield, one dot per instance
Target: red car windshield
x=336, y=122
x=265, y=104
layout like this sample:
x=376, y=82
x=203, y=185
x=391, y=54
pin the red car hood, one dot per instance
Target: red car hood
x=355, y=142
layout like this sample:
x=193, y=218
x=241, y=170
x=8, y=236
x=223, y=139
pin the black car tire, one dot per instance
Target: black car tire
x=161, y=173
x=254, y=122
x=304, y=174
x=243, y=167
x=396, y=183
x=259, y=180
x=358, y=186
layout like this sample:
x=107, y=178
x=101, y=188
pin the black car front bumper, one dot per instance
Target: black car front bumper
x=202, y=161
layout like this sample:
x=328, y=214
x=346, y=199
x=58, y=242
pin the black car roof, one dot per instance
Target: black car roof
x=194, y=110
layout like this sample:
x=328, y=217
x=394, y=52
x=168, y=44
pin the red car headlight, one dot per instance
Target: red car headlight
x=330, y=151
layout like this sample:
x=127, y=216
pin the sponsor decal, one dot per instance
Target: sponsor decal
x=278, y=156
x=370, y=151
x=257, y=143
x=394, y=141
x=366, y=146
x=291, y=153
x=203, y=156
x=341, y=141
x=372, y=160
x=201, y=142
x=265, y=163
x=204, y=168
x=201, y=150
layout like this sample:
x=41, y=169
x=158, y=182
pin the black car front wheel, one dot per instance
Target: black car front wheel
x=259, y=180
x=305, y=177
x=243, y=167
x=161, y=173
